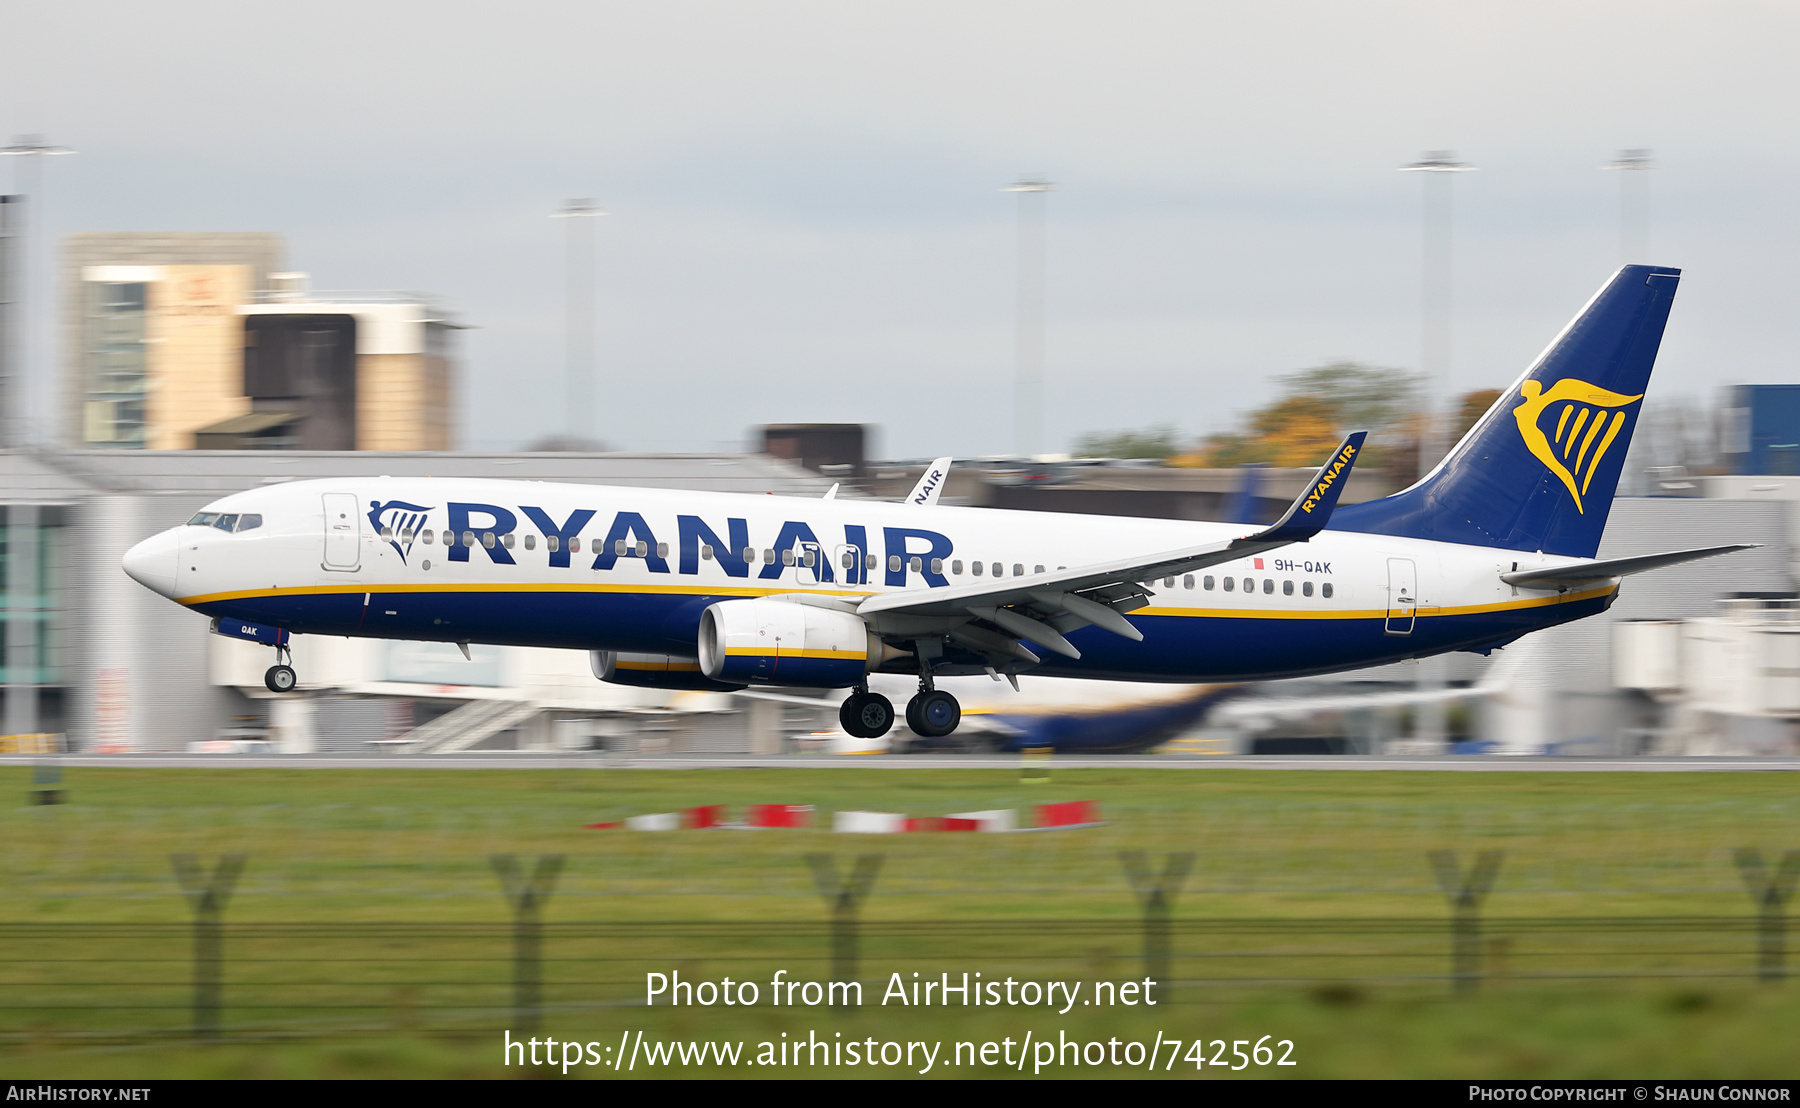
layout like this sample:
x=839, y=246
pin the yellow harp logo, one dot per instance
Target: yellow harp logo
x=1587, y=419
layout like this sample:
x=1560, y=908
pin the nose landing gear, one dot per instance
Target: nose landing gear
x=281, y=677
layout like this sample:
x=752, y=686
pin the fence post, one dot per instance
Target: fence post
x=1466, y=894
x=1156, y=895
x=844, y=897
x=207, y=896
x=526, y=897
x=1771, y=892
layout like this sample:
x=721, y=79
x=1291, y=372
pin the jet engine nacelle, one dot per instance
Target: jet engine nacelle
x=776, y=642
x=654, y=671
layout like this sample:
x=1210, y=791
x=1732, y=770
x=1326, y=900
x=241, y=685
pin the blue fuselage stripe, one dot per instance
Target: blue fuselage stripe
x=1175, y=647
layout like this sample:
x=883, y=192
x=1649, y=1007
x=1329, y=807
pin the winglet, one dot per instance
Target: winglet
x=1308, y=515
x=931, y=483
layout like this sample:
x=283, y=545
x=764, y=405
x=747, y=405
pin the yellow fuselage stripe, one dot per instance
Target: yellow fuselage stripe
x=1296, y=612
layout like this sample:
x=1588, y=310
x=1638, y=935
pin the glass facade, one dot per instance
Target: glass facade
x=34, y=612
x=113, y=357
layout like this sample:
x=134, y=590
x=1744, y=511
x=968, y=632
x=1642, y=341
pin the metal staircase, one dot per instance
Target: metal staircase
x=468, y=726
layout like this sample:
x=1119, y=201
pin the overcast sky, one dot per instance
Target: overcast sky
x=806, y=222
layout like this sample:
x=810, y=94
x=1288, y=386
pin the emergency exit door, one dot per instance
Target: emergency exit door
x=1403, y=596
x=343, y=548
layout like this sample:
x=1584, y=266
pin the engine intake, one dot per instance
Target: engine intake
x=654, y=671
x=775, y=642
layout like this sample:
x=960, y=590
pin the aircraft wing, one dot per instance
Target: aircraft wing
x=1617, y=567
x=1042, y=606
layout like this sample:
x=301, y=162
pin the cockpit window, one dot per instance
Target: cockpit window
x=227, y=521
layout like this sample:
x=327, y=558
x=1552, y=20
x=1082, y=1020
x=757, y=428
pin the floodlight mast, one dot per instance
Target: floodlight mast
x=16, y=354
x=1028, y=334
x=578, y=321
x=1434, y=340
x=1634, y=166
x=1438, y=168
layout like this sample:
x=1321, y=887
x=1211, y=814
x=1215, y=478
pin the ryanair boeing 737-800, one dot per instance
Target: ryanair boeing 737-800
x=722, y=591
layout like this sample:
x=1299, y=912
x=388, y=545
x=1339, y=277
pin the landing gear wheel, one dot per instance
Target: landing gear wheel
x=933, y=714
x=866, y=715
x=281, y=679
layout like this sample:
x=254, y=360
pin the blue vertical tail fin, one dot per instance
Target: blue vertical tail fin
x=1539, y=469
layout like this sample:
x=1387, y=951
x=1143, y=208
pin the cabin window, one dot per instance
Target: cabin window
x=849, y=559
x=406, y=534
x=1230, y=583
x=1018, y=570
x=575, y=544
x=1038, y=569
x=618, y=548
x=487, y=539
x=1268, y=586
x=956, y=567
x=893, y=563
x=749, y=554
x=1325, y=590
x=1207, y=582
x=469, y=540
x=1188, y=581
x=870, y=561
x=1249, y=584
x=507, y=540
x=531, y=542
x=1306, y=588
x=1168, y=582
x=937, y=565
x=387, y=533
x=787, y=557
x=809, y=559
x=705, y=553
x=643, y=549
x=426, y=537
x=1287, y=588
x=976, y=568
x=915, y=564
x=552, y=543
x=768, y=555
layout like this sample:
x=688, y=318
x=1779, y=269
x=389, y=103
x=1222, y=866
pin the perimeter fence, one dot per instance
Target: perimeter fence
x=208, y=976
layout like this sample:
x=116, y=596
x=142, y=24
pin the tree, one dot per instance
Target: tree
x=1154, y=442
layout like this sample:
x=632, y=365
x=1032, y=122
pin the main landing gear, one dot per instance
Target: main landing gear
x=281, y=677
x=866, y=715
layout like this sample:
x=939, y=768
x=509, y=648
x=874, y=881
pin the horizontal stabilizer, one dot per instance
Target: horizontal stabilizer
x=1617, y=567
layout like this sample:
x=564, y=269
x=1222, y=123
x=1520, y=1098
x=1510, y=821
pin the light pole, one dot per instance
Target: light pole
x=1437, y=167
x=1634, y=168
x=15, y=405
x=578, y=319
x=1028, y=335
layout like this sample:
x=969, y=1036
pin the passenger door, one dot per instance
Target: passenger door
x=1403, y=596
x=343, y=532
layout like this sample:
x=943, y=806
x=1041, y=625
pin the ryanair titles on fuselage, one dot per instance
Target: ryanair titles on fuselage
x=630, y=536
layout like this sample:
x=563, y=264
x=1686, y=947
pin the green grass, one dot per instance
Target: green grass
x=368, y=935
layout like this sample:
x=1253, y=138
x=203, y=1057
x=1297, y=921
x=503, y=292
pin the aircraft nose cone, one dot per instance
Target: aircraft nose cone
x=152, y=563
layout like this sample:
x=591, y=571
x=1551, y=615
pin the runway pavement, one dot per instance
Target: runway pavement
x=599, y=760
